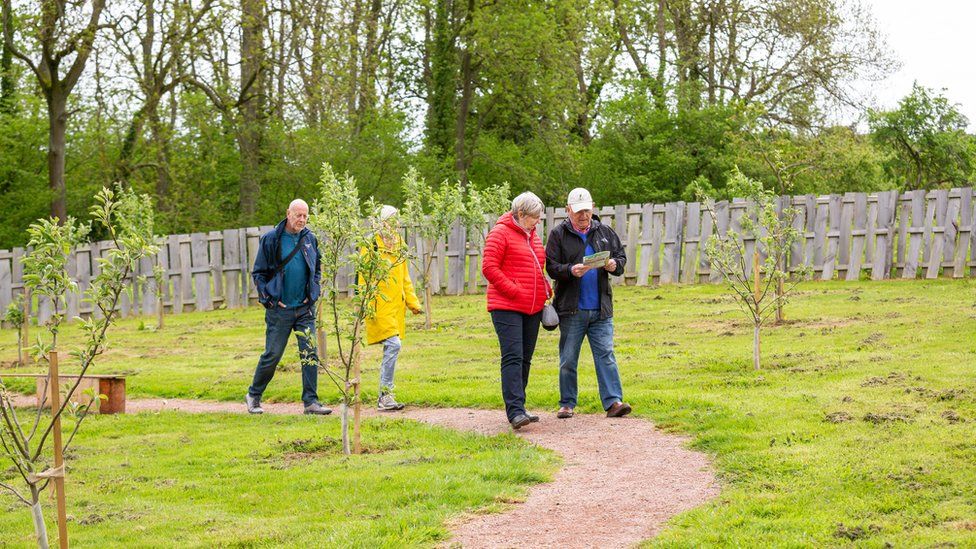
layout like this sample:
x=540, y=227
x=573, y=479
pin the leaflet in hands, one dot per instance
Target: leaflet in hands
x=598, y=259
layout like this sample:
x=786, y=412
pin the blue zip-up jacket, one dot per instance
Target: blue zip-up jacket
x=269, y=282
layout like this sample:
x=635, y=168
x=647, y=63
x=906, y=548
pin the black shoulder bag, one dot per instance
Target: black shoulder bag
x=298, y=246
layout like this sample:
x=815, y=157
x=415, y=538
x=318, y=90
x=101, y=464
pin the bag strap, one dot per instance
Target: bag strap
x=539, y=265
x=298, y=246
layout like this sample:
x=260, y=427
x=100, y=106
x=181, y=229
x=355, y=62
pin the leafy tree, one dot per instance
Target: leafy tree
x=429, y=213
x=830, y=160
x=24, y=192
x=59, y=33
x=15, y=317
x=128, y=220
x=337, y=215
x=795, y=57
x=654, y=155
x=774, y=234
x=926, y=140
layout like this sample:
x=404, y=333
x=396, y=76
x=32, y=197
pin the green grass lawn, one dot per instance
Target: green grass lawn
x=861, y=426
x=184, y=480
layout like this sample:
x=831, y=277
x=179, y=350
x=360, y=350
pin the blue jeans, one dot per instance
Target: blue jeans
x=517, y=333
x=280, y=322
x=572, y=329
x=391, y=350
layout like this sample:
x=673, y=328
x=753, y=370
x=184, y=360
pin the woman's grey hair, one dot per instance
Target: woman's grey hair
x=527, y=203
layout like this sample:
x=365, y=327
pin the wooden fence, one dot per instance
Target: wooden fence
x=883, y=235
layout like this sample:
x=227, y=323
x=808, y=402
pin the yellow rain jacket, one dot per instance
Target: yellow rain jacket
x=395, y=296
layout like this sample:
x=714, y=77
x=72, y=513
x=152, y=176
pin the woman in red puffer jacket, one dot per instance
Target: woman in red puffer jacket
x=517, y=290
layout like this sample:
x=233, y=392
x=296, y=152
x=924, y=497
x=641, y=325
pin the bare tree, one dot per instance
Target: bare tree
x=153, y=39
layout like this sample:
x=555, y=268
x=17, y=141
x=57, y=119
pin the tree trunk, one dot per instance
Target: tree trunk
x=251, y=132
x=40, y=529
x=160, y=141
x=159, y=312
x=25, y=329
x=320, y=338
x=345, y=427
x=58, y=448
x=755, y=346
x=367, y=86
x=780, y=291
x=352, y=71
x=428, y=260
x=712, y=22
x=442, y=68
x=8, y=85
x=123, y=167
x=660, y=26
x=464, y=107
x=58, y=119
x=356, y=405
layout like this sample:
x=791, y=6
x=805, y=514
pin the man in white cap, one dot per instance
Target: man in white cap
x=584, y=301
x=387, y=323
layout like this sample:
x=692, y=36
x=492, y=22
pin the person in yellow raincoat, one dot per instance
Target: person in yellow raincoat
x=387, y=324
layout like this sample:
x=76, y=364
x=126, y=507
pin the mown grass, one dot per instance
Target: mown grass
x=221, y=480
x=860, y=428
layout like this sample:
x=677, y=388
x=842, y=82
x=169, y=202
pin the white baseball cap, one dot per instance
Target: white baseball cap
x=387, y=212
x=579, y=199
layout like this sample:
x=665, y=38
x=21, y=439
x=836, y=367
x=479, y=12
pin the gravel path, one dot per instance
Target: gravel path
x=622, y=479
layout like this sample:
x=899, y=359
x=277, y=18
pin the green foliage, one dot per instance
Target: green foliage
x=46, y=267
x=430, y=211
x=832, y=160
x=490, y=202
x=15, y=312
x=545, y=96
x=548, y=164
x=926, y=140
x=24, y=194
x=653, y=155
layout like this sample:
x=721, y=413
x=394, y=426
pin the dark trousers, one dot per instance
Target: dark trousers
x=517, y=333
x=280, y=322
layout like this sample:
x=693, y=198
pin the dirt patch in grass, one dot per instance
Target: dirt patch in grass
x=854, y=533
x=825, y=325
x=952, y=417
x=838, y=417
x=944, y=395
x=893, y=378
x=873, y=341
x=310, y=448
x=885, y=417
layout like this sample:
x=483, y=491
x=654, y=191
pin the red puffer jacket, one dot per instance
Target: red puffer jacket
x=515, y=281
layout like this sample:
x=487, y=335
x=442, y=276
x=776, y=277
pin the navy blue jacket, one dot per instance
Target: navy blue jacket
x=269, y=279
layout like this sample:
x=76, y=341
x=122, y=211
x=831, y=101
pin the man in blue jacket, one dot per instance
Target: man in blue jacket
x=287, y=275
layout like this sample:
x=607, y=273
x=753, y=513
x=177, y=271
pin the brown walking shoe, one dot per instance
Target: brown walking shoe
x=564, y=412
x=618, y=409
